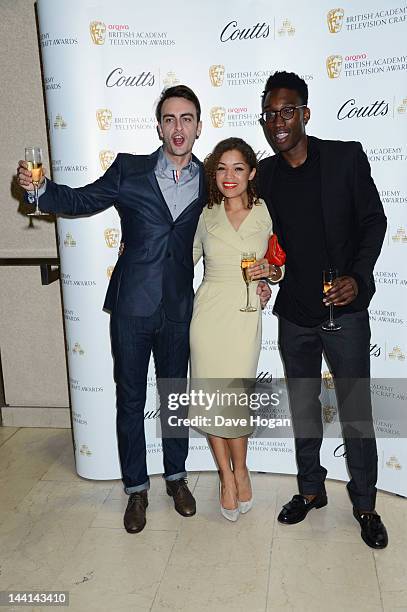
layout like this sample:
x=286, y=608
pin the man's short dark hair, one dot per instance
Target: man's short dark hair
x=178, y=91
x=286, y=80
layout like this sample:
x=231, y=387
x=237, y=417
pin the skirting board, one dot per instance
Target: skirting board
x=36, y=416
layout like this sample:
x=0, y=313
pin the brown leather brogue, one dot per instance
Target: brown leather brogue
x=135, y=515
x=184, y=501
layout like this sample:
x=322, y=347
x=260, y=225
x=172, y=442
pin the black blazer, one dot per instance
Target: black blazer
x=353, y=215
x=157, y=264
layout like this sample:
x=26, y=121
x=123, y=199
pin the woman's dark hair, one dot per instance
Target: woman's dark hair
x=286, y=80
x=178, y=91
x=211, y=164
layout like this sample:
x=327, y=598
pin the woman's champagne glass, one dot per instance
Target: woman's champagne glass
x=246, y=260
x=33, y=157
x=328, y=277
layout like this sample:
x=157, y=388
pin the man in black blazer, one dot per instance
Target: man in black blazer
x=159, y=198
x=327, y=213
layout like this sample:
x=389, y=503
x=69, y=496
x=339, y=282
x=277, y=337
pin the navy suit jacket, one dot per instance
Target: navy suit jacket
x=353, y=216
x=157, y=264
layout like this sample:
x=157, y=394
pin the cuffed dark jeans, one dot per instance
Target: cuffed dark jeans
x=348, y=354
x=133, y=340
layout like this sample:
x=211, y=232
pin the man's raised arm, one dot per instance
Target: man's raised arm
x=61, y=199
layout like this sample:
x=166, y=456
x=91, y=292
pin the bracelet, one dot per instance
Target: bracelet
x=271, y=278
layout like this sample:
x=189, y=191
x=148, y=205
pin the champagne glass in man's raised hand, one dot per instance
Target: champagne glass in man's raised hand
x=33, y=157
x=328, y=277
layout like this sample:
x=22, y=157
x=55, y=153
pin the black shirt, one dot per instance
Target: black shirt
x=296, y=194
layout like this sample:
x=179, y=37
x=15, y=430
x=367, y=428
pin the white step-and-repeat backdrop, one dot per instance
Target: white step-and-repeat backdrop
x=105, y=64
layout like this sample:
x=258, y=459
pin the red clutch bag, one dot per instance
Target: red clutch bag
x=275, y=254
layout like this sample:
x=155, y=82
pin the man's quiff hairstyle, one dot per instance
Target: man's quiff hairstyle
x=286, y=80
x=178, y=91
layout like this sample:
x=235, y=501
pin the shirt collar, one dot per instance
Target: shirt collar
x=165, y=166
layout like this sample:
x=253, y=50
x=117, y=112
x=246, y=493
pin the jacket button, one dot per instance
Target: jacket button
x=168, y=254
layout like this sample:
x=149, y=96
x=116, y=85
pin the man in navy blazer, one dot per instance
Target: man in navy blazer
x=327, y=213
x=159, y=198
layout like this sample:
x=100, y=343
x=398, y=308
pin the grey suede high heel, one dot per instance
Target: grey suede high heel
x=230, y=515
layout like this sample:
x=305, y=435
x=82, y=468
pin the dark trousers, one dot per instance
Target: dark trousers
x=133, y=341
x=347, y=353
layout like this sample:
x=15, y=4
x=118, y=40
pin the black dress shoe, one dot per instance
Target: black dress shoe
x=135, y=515
x=373, y=531
x=184, y=501
x=297, y=509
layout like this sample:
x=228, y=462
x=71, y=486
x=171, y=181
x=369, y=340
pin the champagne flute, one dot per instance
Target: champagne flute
x=33, y=157
x=328, y=277
x=246, y=260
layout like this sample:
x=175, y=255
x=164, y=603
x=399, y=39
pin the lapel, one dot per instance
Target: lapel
x=201, y=193
x=150, y=164
x=328, y=191
x=267, y=192
x=218, y=224
x=327, y=184
x=202, y=185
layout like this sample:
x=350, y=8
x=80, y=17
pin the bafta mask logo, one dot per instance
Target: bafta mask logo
x=335, y=20
x=85, y=450
x=334, y=66
x=112, y=235
x=170, y=80
x=60, y=123
x=217, y=74
x=104, y=118
x=218, y=114
x=69, y=241
x=286, y=28
x=106, y=159
x=329, y=413
x=393, y=463
x=109, y=272
x=397, y=353
x=400, y=236
x=97, y=32
x=77, y=349
x=403, y=107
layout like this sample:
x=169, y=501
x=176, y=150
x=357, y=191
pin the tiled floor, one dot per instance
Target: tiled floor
x=61, y=532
